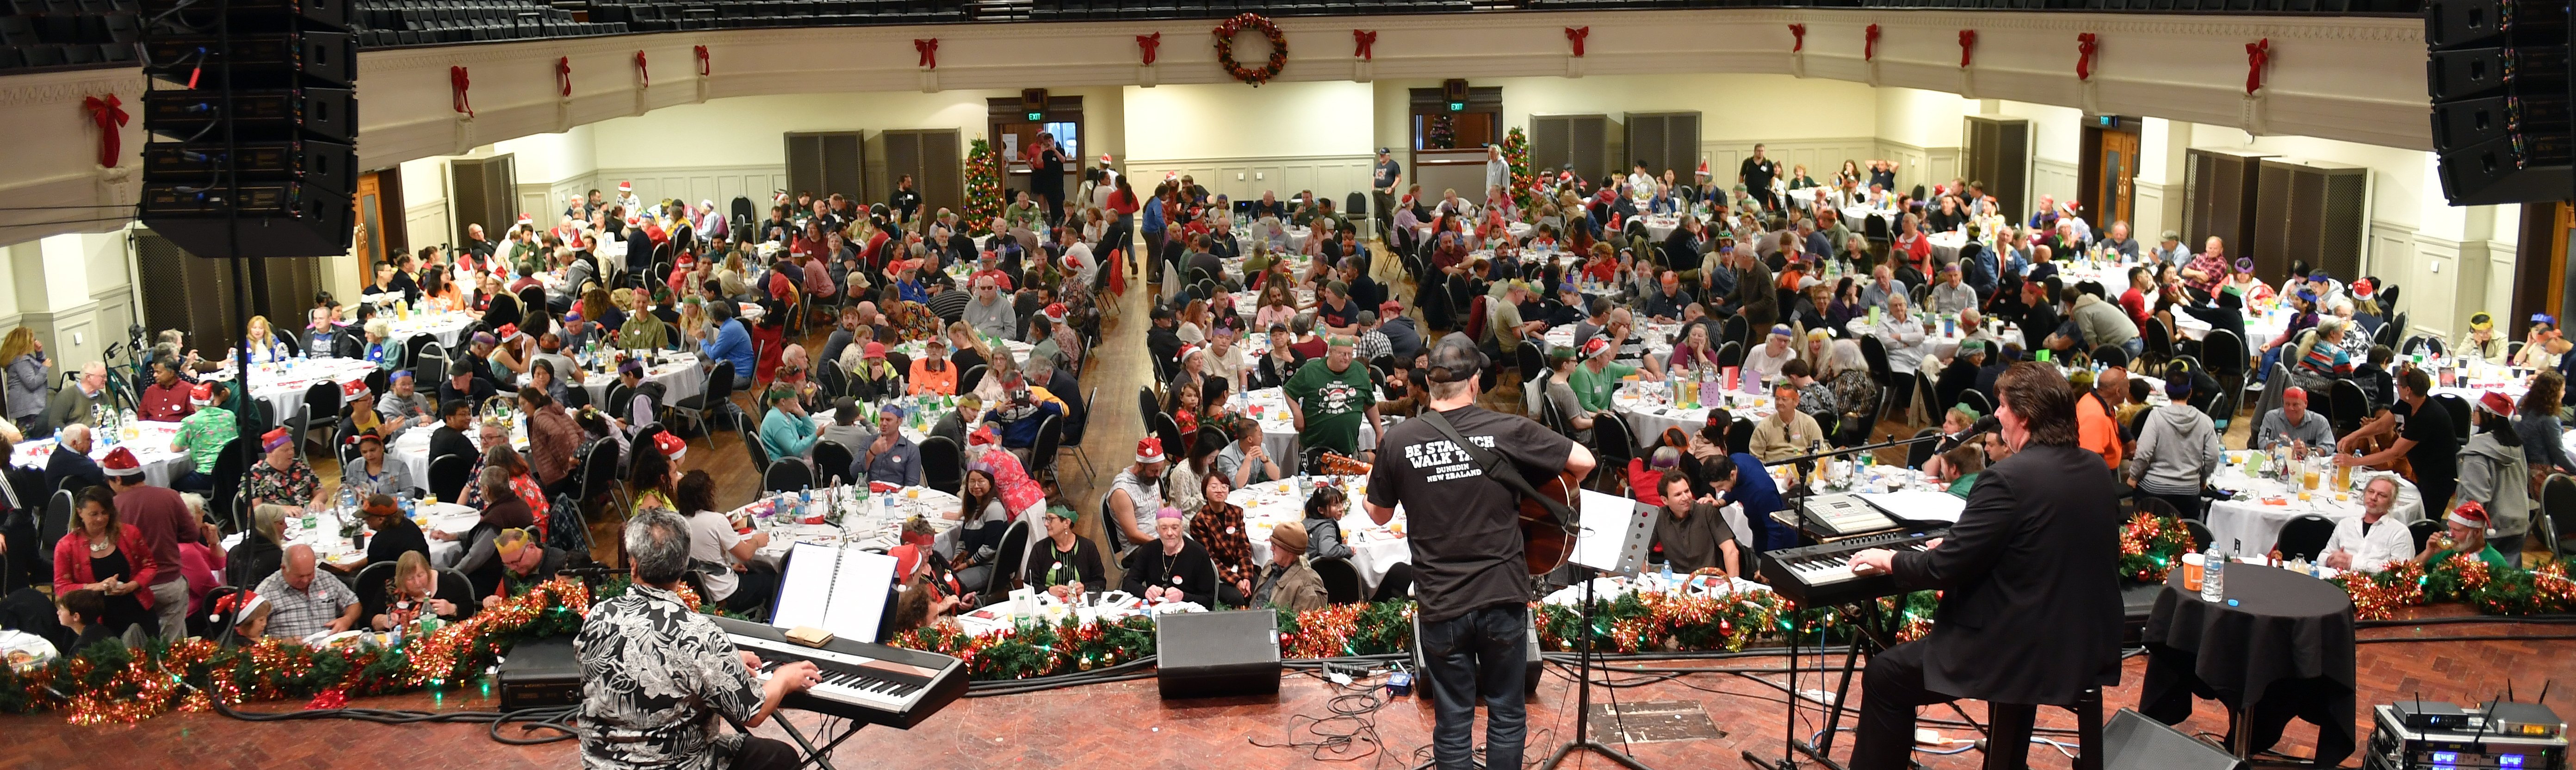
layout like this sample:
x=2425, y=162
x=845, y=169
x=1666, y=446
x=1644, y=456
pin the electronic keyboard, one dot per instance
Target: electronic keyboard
x=1822, y=575
x=1838, y=516
x=864, y=682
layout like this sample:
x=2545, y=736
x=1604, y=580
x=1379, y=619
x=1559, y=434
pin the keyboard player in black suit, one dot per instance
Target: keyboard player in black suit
x=2030, y=609
x=653, y=672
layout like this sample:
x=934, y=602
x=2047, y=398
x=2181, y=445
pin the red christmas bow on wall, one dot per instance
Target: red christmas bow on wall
x=1869, y=44
x=706, y=62
x=2085, y=45
x=929, y=50
x=1576, y=35
x=1363, y=42
x=563, y=75
x=108, y=112
x=1150, y=44
x=1800, y=32
x=2257, y=54
x=1967, y=46
x=457, y=83
x=643, y=71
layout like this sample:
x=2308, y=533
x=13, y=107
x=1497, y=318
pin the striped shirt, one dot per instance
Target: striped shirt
x=2329, y=359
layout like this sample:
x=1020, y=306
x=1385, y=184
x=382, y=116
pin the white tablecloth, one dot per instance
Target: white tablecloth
x=2254, y=522
x=1246, y=302
x=1374, y=549
x=913, y=350
x=1279, y=425
x=874, y=523
x=678, y=374
x=282, y=383
x=1946, y=334
x=1648, y=408
x=449, y=328
x=2260, y=329
x=327, y=543
x=1657, y=336
x=150, y=443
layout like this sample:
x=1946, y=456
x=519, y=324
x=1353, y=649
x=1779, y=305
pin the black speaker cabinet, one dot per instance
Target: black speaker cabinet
x=1531, y=659
x=2132, y=741
x=539, y=673
x=1207, y=654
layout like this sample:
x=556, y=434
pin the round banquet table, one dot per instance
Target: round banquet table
x=2281, y=642
x=2262, y=506
x=449, y=328
x=150, y=444
x=1279, y=426
x=1292, y=240
x=1649, y=409
x=1658, y=337
x=914, y=349
x=328, y=546
x=1298, y=264
x=1245, y=302
x=282, y=383
x=678, y=373
x=411, y=449
x=1374, y=549
x=875, y=525
x=1943, y=341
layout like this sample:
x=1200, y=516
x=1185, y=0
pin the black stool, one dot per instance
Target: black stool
x=2010, y=724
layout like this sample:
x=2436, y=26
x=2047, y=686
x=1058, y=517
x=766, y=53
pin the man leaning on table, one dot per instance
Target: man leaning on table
x=2371, y=542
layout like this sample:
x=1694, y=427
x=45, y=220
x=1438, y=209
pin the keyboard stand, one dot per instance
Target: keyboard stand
x=813, y=757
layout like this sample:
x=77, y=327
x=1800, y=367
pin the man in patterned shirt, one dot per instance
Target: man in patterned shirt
x=203, y=435
x=654, y=673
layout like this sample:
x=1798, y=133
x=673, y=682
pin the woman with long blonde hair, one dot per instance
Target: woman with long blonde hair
x=264, y=342
x=28, y=376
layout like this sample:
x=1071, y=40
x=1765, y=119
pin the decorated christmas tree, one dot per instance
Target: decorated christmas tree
x=1444, y=133
x=1524, y=181
x=983, y=187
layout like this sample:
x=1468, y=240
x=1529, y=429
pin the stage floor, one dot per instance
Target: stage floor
x=1125, y=725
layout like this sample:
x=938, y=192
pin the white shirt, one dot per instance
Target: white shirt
x=1759, y=359
x=2388, y=542
x=1090, y=264
x=711, y=539
x=1641, y=186
x=1904, y=341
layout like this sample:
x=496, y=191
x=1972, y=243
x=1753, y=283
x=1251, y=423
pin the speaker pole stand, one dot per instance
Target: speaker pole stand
x=1583, y=740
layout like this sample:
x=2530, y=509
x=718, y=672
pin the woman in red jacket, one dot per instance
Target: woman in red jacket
x=110, y=558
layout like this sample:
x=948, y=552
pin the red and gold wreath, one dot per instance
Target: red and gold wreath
x=1225, y=48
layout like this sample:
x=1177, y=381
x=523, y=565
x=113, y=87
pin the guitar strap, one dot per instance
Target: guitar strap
x=1498, y=468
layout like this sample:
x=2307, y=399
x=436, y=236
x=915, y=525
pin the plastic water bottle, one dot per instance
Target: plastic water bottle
x=1669, y=585
x=804, y=504
x=2213, y=576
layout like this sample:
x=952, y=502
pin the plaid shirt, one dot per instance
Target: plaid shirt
x=1219, y=528
x=298, y=614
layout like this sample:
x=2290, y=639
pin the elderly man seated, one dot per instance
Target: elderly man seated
x=306, y=603
x=2372, y=542
x=2293, y=425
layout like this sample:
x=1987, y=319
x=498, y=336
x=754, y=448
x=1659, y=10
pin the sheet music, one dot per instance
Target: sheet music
x=841, y=591
x=1611, y=539
x=1920, y=505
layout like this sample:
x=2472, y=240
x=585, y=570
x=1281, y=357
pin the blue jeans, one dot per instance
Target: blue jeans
x=1483, y=653
x=2135, y=346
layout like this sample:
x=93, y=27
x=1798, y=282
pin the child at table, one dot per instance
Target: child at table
x=1324, y=510
x=1959, y=467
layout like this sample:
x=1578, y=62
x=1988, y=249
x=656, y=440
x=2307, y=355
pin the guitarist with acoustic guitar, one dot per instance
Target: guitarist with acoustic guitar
x=1461, y=473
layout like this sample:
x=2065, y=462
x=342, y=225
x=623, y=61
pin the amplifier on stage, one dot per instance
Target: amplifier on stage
x=539, y=673
x=1204, y=654
x=2504, y=736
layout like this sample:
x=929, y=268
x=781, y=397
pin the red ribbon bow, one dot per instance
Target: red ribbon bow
x=1967, y=46
x=563, y=75
x=2085, y=44
x=643, y=71
x=1576, y=36
x=1150, y=44
x=107, y=111
x=457, y=83
x=1364, y=40
x=2257, y=54
x=1869, y=44
x=1800, y=31
x=929, y=50
x=706, y=63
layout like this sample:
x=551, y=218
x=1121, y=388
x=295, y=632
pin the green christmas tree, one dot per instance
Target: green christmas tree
x=1524, y=194
x=983, y=188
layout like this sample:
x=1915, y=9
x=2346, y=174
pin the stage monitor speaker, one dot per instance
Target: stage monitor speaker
x=540, y=673
x=1532, y=659
x=2132, y=741
x=1208, y=654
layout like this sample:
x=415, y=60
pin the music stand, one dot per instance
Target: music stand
x=1612, y=540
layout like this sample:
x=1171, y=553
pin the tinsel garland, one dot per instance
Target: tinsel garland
x=2150, y=545
x=109, y=683
x=1036, y=649
x=2464, y=579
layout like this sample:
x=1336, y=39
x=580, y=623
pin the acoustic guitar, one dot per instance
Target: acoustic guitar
x=1547, y=541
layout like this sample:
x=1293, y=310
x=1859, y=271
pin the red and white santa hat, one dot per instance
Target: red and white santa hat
x=1703, y=168
x=1104, y=159
x=120, y=462
x=508, y=332
x=671, y=446
x=203, y=394
x=1149, y=450
x=1055, y=312
x=2472, y=514
x=626, y=187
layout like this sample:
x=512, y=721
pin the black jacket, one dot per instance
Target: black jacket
x=2037, y=548
x=1190, y=570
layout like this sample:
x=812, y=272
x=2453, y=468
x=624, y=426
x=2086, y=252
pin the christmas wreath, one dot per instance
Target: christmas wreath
x=1225, y=48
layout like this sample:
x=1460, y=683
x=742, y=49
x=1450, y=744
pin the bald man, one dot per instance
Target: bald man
x=306, y=602
x=74, y=404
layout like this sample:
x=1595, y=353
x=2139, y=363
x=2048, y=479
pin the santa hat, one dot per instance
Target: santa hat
x=671, y=446
x=528, y=219
x=1055, y=312
x=1703, y=168
x=274, y=438
x=2362, y=287
x=2496, y=403
x=626, y=187
x=1171, y=176
x=983, y=436
x=1595, y=347
x=1149, y=450
x=1072, y=263
x=509, y=331
x=1104, y=159
x=203, y=394
x=235, y=604
x=120, y=462
x=2470, y=514
x=907, y=559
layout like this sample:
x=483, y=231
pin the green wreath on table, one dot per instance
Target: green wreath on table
x=1225, y=48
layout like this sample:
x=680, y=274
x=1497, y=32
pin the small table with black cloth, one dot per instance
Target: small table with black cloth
x=2281, y=647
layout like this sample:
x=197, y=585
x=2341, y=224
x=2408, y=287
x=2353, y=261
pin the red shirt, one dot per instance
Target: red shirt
x=2136, y=303
x=1122, y=202
x=166, y=404
x=164, y=520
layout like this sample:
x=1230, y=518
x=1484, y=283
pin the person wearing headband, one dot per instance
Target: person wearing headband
x=1172, y=568
x=281, y=477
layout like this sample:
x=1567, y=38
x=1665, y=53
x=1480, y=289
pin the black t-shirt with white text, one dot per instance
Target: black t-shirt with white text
x=1463, y=527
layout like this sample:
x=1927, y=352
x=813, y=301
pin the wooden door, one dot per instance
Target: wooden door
x=2114, y=198
x=371, y=240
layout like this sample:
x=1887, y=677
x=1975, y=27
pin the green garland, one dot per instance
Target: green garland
x=2463, y=579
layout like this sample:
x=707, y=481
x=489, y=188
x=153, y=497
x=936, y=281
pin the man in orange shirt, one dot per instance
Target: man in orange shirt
x=2094, y=428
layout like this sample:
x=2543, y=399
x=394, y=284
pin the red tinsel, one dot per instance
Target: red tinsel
x=706, y=62
x=2257, y=54
x=326, y=700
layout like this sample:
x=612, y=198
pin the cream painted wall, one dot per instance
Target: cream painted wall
x=74, y=290
x=1231, y=120
x=1734, y=109
x=1925, y=119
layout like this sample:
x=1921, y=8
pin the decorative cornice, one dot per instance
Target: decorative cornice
x=67, y=87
